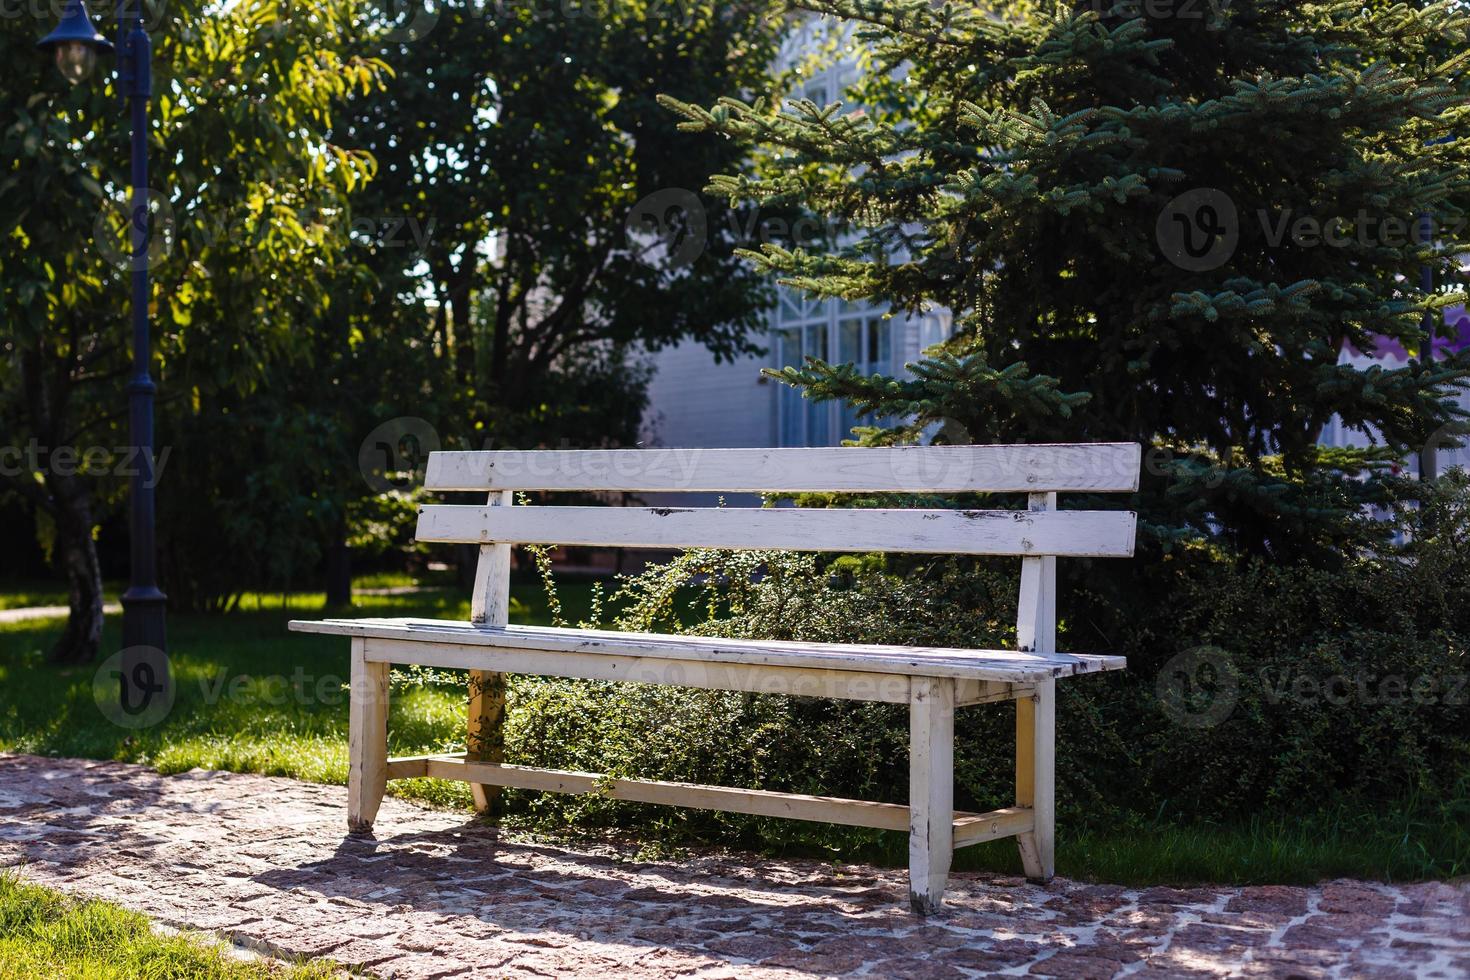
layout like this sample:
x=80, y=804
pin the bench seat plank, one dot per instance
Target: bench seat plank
x=990, y=665
x=850, y=685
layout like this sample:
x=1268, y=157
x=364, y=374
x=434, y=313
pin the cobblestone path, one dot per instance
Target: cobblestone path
x=265, y=862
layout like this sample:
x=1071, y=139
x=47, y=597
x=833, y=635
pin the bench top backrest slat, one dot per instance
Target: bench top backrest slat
x=1039, y=470
x=1094, y=468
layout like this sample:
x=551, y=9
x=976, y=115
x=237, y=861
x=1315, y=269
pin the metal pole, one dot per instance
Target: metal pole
x=143, y=602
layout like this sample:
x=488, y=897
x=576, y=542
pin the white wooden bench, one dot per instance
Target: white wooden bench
x=932, y=682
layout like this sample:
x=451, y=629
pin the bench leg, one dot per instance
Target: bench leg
x=367, y=740
x=931, y=790
x=489, y=606
x=1036, y=778
x=486, y=737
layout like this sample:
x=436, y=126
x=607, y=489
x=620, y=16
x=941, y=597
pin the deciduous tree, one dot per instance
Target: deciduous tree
x=516, y=141
x=248, y=187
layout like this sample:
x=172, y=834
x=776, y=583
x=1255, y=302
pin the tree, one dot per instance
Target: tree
x=1152, y=222
x=247, y=187
x=515, y=143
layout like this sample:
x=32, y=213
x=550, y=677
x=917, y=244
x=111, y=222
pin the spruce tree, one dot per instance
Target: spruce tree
x=1156, y=222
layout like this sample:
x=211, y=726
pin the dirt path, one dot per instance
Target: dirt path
x=265, y=862
x=24, y=613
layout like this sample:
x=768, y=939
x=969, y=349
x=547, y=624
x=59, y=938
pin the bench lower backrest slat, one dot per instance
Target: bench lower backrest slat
x=972, y=532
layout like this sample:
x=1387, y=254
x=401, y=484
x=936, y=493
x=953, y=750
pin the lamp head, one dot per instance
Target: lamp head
x=75, y=43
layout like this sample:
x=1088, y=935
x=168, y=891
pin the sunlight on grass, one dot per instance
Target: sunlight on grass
x=249, y=695
x=22, y=595
x=46, y=934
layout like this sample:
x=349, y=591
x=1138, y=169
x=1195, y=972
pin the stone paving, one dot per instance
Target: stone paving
x=265, y=862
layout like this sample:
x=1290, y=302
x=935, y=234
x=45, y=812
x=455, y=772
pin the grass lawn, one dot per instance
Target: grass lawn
x=250, y=696
x=253, y=697
x=46, y=934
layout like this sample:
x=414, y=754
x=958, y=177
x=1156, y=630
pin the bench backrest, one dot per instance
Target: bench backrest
x=1040, y=532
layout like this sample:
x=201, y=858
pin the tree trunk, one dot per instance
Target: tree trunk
x=339, y=571
x=464, y=330
x=466, y=561
x=68, y=499
x=456, y=294
x=82, y=637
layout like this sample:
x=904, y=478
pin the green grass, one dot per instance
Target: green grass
x=46, y=934
x=253, y=697
x=1414, y=841
x=1417, y=840
x=250, y=696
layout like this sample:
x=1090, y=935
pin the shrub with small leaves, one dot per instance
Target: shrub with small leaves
x=1250, y=686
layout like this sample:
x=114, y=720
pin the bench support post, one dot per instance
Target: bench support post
x=931, y=791
x=1036, y=779
x=1036, y=630
x=489, y=606
x=367, y=740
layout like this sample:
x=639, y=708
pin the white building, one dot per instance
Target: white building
x=696, y=403
x=1390, y=354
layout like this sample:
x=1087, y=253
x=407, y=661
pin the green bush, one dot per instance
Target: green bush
x=1250, y=687
x=1310, y=685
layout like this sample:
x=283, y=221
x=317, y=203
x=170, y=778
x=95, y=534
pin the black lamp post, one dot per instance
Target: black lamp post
x=76, y=44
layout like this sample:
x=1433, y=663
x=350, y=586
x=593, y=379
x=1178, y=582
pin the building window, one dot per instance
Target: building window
x=790, y=423
x=866, y=342
x=838, y=333
x=835, y=331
